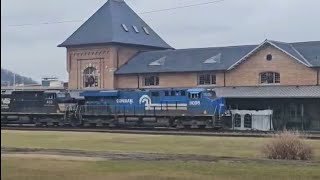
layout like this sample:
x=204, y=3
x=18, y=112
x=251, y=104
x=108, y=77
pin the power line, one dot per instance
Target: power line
x=146, y=12
x=182, y=7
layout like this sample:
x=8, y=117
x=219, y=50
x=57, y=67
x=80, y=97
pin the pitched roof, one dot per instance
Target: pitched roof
x=289, y=49
x=183, y=60
x=310, y=51
x=216, y=58
x=269, y=92
x=286, y=48
x=115, y=22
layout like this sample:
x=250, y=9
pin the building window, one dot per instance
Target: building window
x=90, y=77
x=237, y=120
x=135, y=29
x=248, y=121
x=151, y=80
x=269, y=78
x=146, y=30
x=269, y=57
x=207, y=79
x=125, y=28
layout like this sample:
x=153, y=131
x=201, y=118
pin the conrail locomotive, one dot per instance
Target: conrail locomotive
x=185, y=108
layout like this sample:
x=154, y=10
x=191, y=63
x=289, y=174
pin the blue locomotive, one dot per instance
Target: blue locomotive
x=156, y=107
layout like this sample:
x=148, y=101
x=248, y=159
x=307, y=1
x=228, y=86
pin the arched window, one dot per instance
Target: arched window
x=247, y=121
x=90, y=77
x=237, y=120
x=269, y=78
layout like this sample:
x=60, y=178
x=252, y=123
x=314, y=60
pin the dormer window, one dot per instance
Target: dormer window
x=146, y=30
x=213, y=60
x=159, y=62
x=125, y=28
x=135, y=29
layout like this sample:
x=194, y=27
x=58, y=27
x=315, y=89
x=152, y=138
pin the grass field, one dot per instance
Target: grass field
x=215, y=146
x=49, y=168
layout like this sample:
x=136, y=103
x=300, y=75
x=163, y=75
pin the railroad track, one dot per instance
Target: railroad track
x=161, y=131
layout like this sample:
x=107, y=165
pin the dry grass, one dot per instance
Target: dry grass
x=52, y=168
x=288, y=145
x=214, y=146
x=18, y=168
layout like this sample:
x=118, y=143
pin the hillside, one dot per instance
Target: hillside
x=8, y=76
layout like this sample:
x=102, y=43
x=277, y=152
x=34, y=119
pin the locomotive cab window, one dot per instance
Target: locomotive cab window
x=194, y=95
x=50, y=96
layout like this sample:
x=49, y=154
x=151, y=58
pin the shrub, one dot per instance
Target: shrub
x=287, y=145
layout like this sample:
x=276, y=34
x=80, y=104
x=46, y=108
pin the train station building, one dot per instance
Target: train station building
x=116, y=49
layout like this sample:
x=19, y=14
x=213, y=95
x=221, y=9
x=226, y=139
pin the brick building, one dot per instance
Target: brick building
x=116, y=49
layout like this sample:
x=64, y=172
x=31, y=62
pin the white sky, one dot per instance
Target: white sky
x=32, y=50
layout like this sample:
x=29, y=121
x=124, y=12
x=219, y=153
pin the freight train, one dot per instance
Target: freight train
x=182, y=108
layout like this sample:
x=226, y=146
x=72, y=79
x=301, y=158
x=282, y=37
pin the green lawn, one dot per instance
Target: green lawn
x=215, y=146
x=14, y=168
x=37, y=167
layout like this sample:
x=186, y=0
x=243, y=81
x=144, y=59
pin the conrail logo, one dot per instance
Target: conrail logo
x=145, y=99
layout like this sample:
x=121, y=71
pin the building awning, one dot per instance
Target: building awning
x=99, y=93
x=269, y=92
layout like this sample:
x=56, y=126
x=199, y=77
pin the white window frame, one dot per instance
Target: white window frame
x=213, y=79
x=275, y=80
x=156, y=80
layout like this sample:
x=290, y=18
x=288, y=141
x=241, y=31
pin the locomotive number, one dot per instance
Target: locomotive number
x=194, y=103
x=49, y=102
x=5, y=102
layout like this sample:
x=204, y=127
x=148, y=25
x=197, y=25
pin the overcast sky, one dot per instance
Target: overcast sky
x=32, y=50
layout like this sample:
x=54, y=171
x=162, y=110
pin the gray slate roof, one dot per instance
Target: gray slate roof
x=310, y=51
x=192, y=60
x=269, y=92
x=183, y=60
x=105, y=26
x=289, y=48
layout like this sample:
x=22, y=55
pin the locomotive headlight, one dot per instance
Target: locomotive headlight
x=204, y=112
